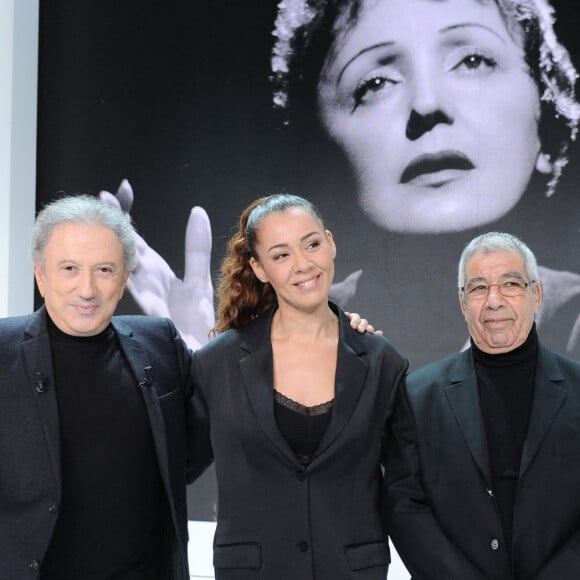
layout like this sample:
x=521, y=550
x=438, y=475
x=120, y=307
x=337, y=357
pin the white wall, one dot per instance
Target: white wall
x=18, y=98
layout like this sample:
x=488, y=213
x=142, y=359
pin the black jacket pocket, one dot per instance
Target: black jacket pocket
x=364, y=556
x=247, y=556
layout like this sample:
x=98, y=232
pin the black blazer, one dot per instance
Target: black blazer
x=278, y=520
x=30, y=479
x=442, y=516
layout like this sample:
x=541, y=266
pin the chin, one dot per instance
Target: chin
x=432, y=212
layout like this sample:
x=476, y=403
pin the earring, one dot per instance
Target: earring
x=544, y=164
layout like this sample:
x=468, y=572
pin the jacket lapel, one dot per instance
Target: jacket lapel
x=463, y=395
x=257, y=371
x=37, y=354
x=258, y=377
x=141, y=367
x=547, y=400
x=351, y=373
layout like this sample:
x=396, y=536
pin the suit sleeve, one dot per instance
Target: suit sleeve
x=412, y=525
x=200, y=453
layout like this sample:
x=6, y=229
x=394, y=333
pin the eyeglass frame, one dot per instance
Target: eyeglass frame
x=525, y=284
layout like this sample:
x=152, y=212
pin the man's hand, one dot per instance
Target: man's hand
x=361, y=324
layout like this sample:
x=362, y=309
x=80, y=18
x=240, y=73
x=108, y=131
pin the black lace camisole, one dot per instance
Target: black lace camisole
x=303, y=427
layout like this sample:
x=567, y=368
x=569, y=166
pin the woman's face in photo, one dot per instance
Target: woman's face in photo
x=433, y=105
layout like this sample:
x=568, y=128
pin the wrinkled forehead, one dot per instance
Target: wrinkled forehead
x=362, y=21
x=501, y=262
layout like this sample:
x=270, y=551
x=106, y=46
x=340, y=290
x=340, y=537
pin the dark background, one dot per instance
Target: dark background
x=174, y=96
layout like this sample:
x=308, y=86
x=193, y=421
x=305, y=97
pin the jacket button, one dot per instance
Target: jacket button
x=494, y=544
x=53, y=508
x=35, y=566
x=300, y=475
x=303, y=546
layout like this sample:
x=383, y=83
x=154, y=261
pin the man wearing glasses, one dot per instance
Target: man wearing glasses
x=484, y=471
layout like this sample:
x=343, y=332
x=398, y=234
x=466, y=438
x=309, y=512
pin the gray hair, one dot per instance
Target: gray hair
x=87, y=210
x=497, y=242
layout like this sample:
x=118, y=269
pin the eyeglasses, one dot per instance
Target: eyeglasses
x=510, y=288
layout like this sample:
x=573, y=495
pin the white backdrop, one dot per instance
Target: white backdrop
x=18, y=79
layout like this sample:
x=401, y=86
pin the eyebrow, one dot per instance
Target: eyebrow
x=392, y=42
x=95, y=265
x=360, y=53
x=473, y=25
x=285, y=245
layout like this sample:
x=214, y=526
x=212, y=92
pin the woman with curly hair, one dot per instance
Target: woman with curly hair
x=295, y=408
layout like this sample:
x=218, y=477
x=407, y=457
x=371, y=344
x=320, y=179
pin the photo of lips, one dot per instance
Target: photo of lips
x=433, y=170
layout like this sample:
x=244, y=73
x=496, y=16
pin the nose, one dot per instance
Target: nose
x=86, y=285
x=428, y=104
x=302, y=262
x=495, y=299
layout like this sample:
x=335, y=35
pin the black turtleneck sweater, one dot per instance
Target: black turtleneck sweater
x=506, y=385
x=113, y=505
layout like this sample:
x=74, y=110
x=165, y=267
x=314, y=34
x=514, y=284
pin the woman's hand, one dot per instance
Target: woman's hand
x=155, y=287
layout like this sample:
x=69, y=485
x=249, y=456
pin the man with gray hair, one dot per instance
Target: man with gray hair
x=483, y=474
x=94, y=415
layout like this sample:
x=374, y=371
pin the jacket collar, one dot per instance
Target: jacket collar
x=463, y=395
x=548, y=398
x=37, y=356
x=256, y=366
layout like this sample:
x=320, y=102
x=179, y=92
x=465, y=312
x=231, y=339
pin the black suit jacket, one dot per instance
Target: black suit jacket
x=30, y=479
x=278, y=520
x=442, y=515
